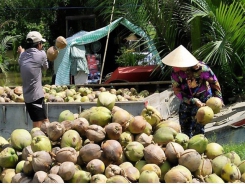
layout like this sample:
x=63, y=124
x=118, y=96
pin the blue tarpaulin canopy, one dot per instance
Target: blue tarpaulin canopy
x=67, y=57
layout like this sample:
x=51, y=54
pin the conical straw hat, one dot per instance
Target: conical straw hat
x=180, y=57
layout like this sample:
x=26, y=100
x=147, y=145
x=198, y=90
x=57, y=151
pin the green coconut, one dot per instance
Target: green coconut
x=8, y=158
x=95, y=166
x=234, y=157
x=125, y=138
x=20, y=138
x=213, y=178
x=164, y=135
x=230, y=173
x=7, y=175
x=215, y=104
x=3, y=143
x=117, y=179
x=98, y=178
x=148, y=177
x=71, y=138
x=66, y=115
x=182, y=139
x=19, y=166
x=139, y=164
x=80, y=176
x=241, y=167
x=198, y=142
x=41, y=143
x=204, y=115
x=213, y=150
x=151, y=115
x=106, y=99
x=218, y=163
x=165, y=167
x=134, y=151
x=100, y=116
x=148, y=129
x=151, y=167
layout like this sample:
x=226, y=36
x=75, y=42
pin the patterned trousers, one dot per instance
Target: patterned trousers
x=187, y=120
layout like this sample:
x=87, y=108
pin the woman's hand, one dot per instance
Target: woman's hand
x=200, y=104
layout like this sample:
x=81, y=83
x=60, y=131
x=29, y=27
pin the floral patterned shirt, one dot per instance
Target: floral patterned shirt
x=196, y=84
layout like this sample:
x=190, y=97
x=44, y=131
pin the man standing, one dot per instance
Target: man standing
x=32, y=61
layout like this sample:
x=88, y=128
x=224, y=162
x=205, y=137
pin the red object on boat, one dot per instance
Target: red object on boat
x=131, y=74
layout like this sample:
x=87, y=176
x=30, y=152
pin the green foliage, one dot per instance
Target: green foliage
x=238, y=148
x=128, y=57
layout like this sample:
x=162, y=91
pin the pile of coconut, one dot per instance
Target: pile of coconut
x=107, y=144
x=55, y=93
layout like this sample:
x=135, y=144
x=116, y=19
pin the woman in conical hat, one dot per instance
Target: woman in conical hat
x=193, y=82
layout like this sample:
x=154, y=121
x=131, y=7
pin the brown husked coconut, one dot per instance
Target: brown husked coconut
x=54, y=169
x=80, y=125
x=60, y=42
x=112, y=170
x=138, y=125
x=169, y=123
x=205, y=168
x=53, y=178
x=132, y=174
x=116, y=108
x=113, y=131
x=66, y=154
x=52, y=53
x=154, y=154
x=17, y=177
x=144, y=139
x=122, y=117
x=95, y=133
x=89, y=152
x=18, y=90
x=55, y=130
x=112, y=149
x=41, y=161
x=44, y=126
x=178, y=174
x=39, y=177
x=67, y=124
x=173, y=151
x=191, y=159
x=26, y=152
x=67, y=170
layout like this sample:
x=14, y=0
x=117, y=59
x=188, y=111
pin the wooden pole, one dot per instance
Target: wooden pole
x=108, y=34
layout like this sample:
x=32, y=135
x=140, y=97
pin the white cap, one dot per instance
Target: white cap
x=35, y=37
x=180, y=57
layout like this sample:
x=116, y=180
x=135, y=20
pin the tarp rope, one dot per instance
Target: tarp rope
x=108, y=34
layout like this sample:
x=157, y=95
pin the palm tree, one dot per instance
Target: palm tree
x=223, y=43
x=163, y=20
x=5, y=42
